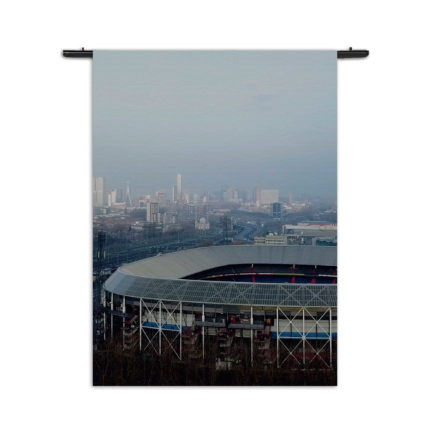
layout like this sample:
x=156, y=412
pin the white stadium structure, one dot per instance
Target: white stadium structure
x=281, y=301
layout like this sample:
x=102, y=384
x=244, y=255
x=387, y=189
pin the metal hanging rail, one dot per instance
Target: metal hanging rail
x=77, y=54
x=357, y=53
x=340, y=54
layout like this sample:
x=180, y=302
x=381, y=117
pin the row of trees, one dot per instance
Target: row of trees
x=114, y=366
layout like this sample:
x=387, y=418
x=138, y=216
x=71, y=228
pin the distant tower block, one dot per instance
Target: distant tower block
x=162, y=199
x=269, y=196
x=152, y=213
x=276, y=210
x=98, y=192
x=179, y=186
x=127, y=196
x=256, y=194
x=291, y=198
x=225, y=222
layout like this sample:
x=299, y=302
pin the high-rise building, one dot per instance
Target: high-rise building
x=256, y=195
x=152, y=214
x=98, y=192
x=223, y=194
x=291, y=198
x=162, y=199
x=276, y=210
x=128, y=196
x=170, y=218
x=111, y=198
x=175, y=193
x=179, y=186
x=269, y=196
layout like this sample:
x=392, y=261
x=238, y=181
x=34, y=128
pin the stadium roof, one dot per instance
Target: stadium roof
x=138, y=279
x=177, y=265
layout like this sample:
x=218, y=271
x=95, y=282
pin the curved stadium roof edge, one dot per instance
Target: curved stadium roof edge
x=180, y=264
x=149, y=279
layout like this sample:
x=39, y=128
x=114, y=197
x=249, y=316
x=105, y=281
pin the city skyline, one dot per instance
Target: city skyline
x=255, y=193
x=196, y=190
x=218, y=117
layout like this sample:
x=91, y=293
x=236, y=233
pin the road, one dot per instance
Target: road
x=121, y=254
x=248, y=232
x=118, y=255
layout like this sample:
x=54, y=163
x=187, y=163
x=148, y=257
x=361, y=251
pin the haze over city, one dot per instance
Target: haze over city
x=222, y=118
x=215, y=217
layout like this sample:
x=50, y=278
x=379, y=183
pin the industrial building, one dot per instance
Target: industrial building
x=324, y=241
x=271, y=239
x=280, y=301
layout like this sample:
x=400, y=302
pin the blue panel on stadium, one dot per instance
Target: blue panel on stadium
x=164, y=326
x=298, y=335
x=170, y=327
x=150, y=325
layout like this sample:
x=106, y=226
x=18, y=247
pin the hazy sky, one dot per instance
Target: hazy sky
x=237, y=118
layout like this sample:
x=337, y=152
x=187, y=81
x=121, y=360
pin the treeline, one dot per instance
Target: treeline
x=112, y=366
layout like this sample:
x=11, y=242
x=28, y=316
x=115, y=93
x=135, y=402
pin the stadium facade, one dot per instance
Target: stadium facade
x=280, y=301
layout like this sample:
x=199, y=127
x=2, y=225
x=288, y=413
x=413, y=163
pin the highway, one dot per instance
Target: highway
x=248, y=232
x=118, y=254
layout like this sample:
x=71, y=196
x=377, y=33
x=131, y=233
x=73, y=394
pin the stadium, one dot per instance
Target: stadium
x=277, y=303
